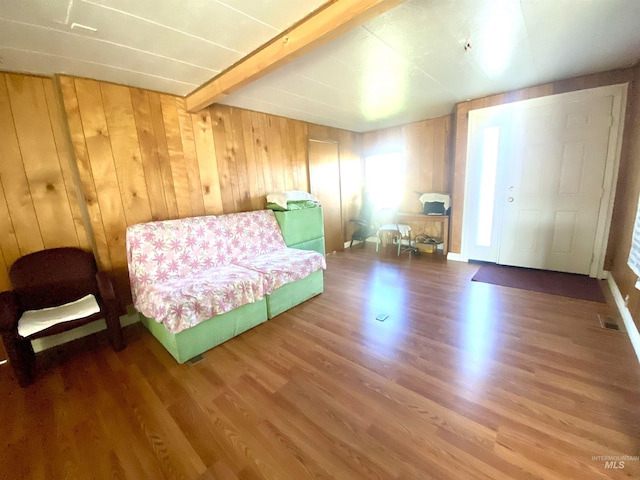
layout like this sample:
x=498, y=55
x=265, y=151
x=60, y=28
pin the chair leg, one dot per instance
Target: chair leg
x=114, y=328
x=21, y=357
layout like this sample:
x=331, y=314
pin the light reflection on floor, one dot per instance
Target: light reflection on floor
x=386, y=294
x=479, y=333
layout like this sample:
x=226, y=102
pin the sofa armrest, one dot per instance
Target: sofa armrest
x=9, y=312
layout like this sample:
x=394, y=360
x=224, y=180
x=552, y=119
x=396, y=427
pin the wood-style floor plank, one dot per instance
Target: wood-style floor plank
x=464, y=380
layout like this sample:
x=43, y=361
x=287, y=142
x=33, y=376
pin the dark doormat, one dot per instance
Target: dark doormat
x=555, y=283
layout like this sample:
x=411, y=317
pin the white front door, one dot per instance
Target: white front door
x=554, y=185
x=549, y=165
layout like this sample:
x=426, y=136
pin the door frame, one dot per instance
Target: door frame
x=619, y=94
x=317, y=139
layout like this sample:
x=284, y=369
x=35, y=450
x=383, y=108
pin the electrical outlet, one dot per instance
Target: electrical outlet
x=626, y=300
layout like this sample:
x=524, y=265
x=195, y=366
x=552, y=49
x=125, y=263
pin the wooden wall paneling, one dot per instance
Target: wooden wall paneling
x=246, y=186
x=350, y=179
x=441, y=154
x=156, y=174
x=409, y=167
x=161, y=151
x=185, y=174
x=14, y=179
x=148, y=164
x=255, y=177
x=102, y=164
x=223, y=143
x=188, y=138
x=426, y=160
x=207, y=163
x=127, y=159
x=300, y=134
x=349, y=176
x=89, y=192
x=230, y=154
x=324, y=175
x=72, y=183
x=9, y=152
x=290, y=173
x=9, y=248
x=274, y=141
x=427, y=148
x=319, y=131
x=265, y=152
x=41, y=163
x=5, y=284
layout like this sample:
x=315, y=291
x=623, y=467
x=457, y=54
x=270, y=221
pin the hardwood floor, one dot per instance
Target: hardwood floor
x=464, y=380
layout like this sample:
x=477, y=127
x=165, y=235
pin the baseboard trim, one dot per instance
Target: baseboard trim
x=355, y=242
x=629, y=324
x=456, y=257
x=40, y=344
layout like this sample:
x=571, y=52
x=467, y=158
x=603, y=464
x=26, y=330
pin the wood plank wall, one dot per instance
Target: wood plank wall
x=461, y=124
x=427, y=147
x=428, y=155
x=350, y=148
x=39, y=205
x=626, y=203
x=142, y=157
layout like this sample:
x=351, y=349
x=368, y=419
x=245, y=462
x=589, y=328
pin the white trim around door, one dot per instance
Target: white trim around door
x=486, y=116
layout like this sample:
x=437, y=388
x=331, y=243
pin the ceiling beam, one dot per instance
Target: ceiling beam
x=323, y=25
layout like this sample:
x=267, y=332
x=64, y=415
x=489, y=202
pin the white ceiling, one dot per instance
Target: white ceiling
x=172, y=46
x=407, y=64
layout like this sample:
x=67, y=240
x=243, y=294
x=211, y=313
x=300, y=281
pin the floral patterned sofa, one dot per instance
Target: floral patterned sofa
x=200, y=281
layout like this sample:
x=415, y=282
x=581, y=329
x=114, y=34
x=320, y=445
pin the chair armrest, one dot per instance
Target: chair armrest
x=105, y=287
x=9, y=312
x=357, y=221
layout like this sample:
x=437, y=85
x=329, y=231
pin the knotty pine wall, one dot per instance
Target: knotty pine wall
x=428, y=155
x=39, y=205
x=461, y=124
x=142, y=157
x=427, y=147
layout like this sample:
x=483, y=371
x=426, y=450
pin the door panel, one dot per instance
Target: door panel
x=324, y=182
x=554, y=185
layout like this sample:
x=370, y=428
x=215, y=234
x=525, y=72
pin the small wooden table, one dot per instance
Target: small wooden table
x=422, y=220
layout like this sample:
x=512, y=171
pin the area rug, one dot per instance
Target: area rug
x=555, y=283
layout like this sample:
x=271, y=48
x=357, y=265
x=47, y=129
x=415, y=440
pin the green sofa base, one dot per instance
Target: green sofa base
x=299, y=226
x=210, y=333
x=316, y=245
x=295, y=293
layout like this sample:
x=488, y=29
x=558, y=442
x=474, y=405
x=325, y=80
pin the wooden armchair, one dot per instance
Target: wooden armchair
x=54, y=290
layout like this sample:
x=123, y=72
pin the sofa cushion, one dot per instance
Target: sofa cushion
x=251, y=234
x=284, y=266
x=181, y=303
x=161, y=251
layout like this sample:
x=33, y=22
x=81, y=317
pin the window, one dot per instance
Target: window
x=384, y=179
x=487, y=185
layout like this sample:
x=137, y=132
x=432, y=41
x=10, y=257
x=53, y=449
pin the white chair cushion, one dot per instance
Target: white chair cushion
x=33, y=321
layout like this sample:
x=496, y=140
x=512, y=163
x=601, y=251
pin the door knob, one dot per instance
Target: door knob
x=509, y=199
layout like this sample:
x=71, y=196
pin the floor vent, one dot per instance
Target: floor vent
x=611, y=323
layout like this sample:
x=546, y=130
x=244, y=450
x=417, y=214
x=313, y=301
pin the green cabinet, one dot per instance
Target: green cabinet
x=303, y=229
